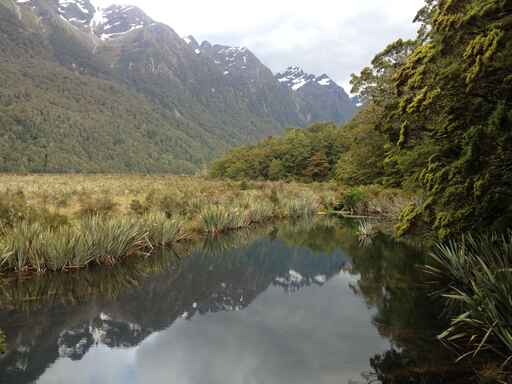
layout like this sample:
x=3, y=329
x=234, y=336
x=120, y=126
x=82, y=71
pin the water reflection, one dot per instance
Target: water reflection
x=295, y=303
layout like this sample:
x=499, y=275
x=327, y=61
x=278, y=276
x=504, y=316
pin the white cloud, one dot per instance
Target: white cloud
x=336, y=37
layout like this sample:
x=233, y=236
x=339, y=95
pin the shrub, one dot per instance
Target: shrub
x=354, y=200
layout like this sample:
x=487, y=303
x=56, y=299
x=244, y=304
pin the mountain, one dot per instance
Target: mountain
x=321, y=98
x=111, y=90
x=245, y=72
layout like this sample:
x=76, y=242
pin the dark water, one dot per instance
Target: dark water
x=292, y=303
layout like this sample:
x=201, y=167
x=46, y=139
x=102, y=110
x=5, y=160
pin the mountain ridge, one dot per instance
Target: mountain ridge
x=194, y=101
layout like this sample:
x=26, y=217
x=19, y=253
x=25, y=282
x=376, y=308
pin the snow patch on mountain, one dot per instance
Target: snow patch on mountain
x=80, y=4
x=229, y=58
x=98, y=18
x=295, y=78
x=118, y=20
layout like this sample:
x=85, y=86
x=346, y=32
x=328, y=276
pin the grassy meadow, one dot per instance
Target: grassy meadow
x=67, y=222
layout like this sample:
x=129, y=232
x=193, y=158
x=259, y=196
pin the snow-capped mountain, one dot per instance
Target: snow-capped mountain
x=117, y=20
x=295, y=78
x=322, y=98
x=192, y=100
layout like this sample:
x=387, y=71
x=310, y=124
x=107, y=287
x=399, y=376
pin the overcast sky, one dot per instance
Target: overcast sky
x=337, y=37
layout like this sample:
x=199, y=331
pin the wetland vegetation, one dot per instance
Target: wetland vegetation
x=67, y=222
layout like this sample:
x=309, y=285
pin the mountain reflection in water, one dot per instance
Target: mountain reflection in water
x=294, y=303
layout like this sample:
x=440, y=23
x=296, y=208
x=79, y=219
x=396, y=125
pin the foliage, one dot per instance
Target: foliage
x=438, y=110
x=301, y=154
x=475, y=277
x=353, y=199
x=362, y=162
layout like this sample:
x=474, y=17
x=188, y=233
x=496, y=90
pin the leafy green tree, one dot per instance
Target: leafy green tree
x=362, y=162
x=276, y=170
x=307, y=154
x=456, y=118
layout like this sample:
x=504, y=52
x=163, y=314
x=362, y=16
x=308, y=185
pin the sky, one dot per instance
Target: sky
x=336, y=37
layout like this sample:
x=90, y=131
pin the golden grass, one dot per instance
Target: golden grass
x=44, y=215
x=65, y=193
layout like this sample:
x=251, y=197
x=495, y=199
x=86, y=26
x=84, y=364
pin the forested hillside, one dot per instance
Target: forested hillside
x=436, y=121
x=111, y=90
x=302, y=154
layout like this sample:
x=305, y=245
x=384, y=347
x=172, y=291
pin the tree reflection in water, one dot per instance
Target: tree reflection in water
x=63, y=316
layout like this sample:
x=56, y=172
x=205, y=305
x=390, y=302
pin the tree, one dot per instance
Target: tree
x=455, y=115
x=289, y=156
x=276, y=170
x=363, y=160
x=318, y=168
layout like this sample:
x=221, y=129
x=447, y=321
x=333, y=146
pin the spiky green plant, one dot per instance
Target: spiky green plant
x=109, y=240
x=474, y=275
x=366, y=231
x=24, y=247
x=261, y=212
x=300, y=207
x=215, y=219
x=366, y=228
x=30, y=246
x=163, y=231
x=63, y=250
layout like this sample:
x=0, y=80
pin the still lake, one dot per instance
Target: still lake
x=302, y=302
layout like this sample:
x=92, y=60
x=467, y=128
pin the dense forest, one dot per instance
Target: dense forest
x=303, y=154
x=436, y=120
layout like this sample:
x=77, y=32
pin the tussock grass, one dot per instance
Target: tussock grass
x=33, y=247
x=62, y=223
x=163, y=231
x=366, y=231
x=475, y=278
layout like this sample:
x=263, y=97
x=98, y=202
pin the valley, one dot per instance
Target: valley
x=173, y=210
x=77, y=77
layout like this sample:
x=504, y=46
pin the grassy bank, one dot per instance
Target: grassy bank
x=68, y=222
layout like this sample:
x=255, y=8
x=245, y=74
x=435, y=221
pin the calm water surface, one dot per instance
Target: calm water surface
x=293, y=303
